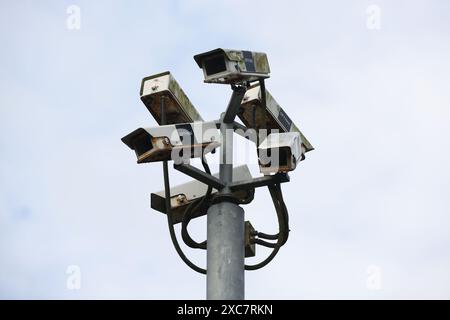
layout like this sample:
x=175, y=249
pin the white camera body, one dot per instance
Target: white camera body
x=270, y=117
x=176, y=142
x=178, y=107
x=184, y=194
x=227, y=66
x=280, y=152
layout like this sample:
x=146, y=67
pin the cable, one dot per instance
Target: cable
x=277, y=194
x=173, y=236
x=285, y=212
x=187, y=217
x=195, y=207
x=265, y=243
x=282, y=214
x=267, y=236
x=170, y=223
x=281, y=237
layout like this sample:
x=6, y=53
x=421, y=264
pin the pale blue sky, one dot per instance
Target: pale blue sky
x=374, y=103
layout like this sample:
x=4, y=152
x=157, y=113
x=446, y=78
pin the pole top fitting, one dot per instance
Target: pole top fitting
x=225, y=196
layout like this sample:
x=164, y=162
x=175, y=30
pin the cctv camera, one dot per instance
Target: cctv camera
x=183, y=195
x=280, y=152
x=173, y=142
x=178, y=108
x=270, y=117
x=233, y=66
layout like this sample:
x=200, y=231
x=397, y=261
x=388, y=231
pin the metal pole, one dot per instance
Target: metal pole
x=225, y=233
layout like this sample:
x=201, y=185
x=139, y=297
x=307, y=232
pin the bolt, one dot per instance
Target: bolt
x=181, y=198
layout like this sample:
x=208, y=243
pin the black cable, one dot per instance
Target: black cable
x=267, y=236
x=170, y=223
x=187, y=217
x=284, y=210
x=265, y=243
x=281, y=211
x=195, y=207
x=282, y=236
x=173, y=236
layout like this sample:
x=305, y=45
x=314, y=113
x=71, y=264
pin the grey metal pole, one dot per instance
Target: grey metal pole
x=225, y=234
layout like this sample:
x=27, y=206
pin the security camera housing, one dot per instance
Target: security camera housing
x=280, y=152
x=178, y=107
x=228, y=66
x=271, y=117
x=161, y=143
x=183, y=195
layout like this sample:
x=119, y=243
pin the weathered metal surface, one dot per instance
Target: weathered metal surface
x=182, y=195
x=287, y=146
x=271, y=117
x=160, y=143
x=178, y=107
x=231, y=66
x=225, y=254
x=225, y=233
x=250, y=247
x=199, y=175
x=161, y=154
